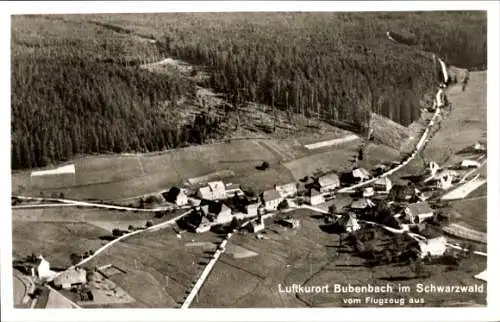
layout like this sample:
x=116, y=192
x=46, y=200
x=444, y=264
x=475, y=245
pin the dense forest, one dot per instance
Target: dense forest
x=77, y=88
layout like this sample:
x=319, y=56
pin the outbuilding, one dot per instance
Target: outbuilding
x=432, y=247
x=71, y=277
x=271, y=199
x=328, y=182
x=418, y=212
x=315, y=197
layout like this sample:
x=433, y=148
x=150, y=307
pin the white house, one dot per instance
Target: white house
x=251, y=209
x=361, y=174
x=368, y=192
x=418, y=212
x=470, y=164
x=315, y=197
x=70, y=277
x=181, y=198
x=328, y=182
x=271, y=199
x=43, y=269
x=287, y=190
x=445, y=182
x=432, y=247
x=204, y=225
x=219, y=212
x=383, y=185
x=214, y=190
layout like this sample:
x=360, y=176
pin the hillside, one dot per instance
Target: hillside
x=336, y=67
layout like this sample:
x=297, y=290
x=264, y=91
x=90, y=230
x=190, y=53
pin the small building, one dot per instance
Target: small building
x=217, y=212
x=41, y=269
x=257, y=226
x=361, y=174
x=418, y=212
x=233, y=190
x=214, y=190
x=177, y=196
x=328, y=182
x=432, y=247
x=291, y=223
x=71, y=277
x=204, y=225
x=470, y=164
x=252, y=209
x=349, y=222
x=382, y=185
x=362, y=203
x=368, y=192
x=315, y=197
x=271, y=199
x=287, y=190
x=445, y=182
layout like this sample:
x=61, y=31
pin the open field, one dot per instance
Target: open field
x=57, y=301
x=55, y=241
x=158, y=266
x=308, y=256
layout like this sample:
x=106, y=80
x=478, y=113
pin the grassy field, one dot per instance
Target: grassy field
x=19, y=290
x=55, y=241
x=159, y=267
x=308, y=256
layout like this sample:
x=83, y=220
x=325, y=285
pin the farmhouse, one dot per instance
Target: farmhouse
x=315, y=197
x=368, y=192
x=42, y=269
x=361, y=174
x=382, y=185
x=418, y=212
x=271, y=199
x=349, y=222
x=328, y=182
x=470, y=164
x=287, y=190
x=432, y=247
x=177, y=196
x=214, y=190
x=251, y=209
x=71, y=277
x=217, y=212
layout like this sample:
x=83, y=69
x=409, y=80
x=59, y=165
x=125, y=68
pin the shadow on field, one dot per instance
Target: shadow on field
x=332, y=229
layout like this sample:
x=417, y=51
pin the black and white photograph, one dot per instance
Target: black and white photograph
x=249, y=159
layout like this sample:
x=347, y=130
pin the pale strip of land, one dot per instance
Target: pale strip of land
x=323, y=144
x=67, y=169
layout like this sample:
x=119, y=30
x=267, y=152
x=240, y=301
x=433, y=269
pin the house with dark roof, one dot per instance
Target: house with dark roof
x=177, y=196
x=418, y=212
x=314, y=197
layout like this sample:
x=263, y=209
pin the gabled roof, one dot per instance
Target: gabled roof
x=71, y=276
x=329, y=180
x=271, y=194
x=419, y=208
x=217, y=186
x=360, y=173
x=382, y=181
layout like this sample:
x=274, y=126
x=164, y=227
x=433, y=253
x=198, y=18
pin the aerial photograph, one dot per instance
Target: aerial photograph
x=249, y=159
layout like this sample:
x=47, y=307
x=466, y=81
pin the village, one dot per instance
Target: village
x=406, y=210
